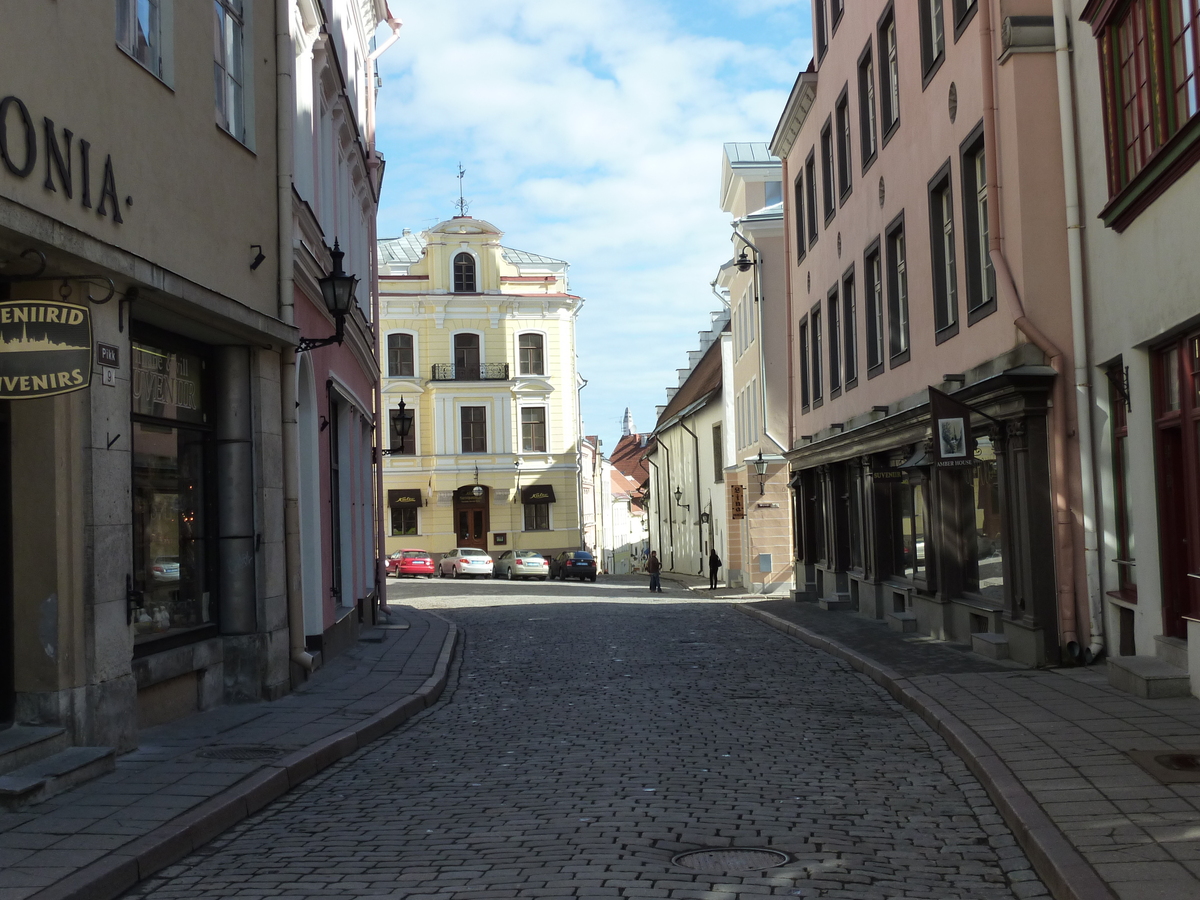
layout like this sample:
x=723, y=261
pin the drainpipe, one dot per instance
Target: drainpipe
x=670, y=511
x=285, y=109
x=1064, y=532
x=787, y=292
x=1083, y=386
x=395, y=24
x=699, y=527
x=652, y=499
x=724, y=300
x=579, y=454
x=756, y=281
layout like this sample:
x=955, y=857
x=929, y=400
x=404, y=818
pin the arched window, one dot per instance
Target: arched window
x=464, y=274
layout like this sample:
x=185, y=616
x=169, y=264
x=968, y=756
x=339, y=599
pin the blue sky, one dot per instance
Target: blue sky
x=591, y=132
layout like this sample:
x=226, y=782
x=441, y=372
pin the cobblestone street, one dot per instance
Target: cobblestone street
x=589, y=735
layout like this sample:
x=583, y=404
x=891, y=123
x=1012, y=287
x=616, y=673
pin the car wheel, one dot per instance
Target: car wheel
x=453, y=572
x=511, y=576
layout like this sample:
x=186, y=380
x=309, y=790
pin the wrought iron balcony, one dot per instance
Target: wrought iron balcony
x=484, y=372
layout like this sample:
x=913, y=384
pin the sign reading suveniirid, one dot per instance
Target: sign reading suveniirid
x=45, y=348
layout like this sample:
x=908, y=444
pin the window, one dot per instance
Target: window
x=897, y=293
x=804, y=380
x=474, y=429
x=1126, y=560
x=404, y=520
x=466, y=356
x=1148, y=57
x=464, y=274
x=933, y=37
x=140, y=32
x=533, y=429
x=827, y=175
x=718, y=454
x=400, y=356
x=822, y=29
x=815, y=318
x=835, y=343
x=772, y=192
x=986, y=576
x=866, y=107
x=849, y=330
x=981, y=277
x=889, y=73
x=964, y=11
x=836, y=8
x=810, y=180
x=228, y=33
x=912, y=527
x=941, y=236
x=873, y=272
x=843, y=144
x=798, y=212
x=530, y=347
x=537, y=516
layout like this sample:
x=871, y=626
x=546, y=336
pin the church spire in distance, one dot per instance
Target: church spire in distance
x=627, y=425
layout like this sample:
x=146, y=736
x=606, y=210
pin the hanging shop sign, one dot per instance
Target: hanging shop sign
x=952, y=441
x=537, y=493
x=45, y=348
x=737, y=501
x=166, y=383
x=405, y=499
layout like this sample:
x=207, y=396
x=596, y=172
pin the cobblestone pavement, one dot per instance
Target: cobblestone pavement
x=591, y=734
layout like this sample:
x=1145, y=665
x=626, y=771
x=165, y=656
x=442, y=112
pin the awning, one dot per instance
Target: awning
x=537, y=493
x=405, y=498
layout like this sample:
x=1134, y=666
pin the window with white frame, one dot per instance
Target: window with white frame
x=531, y=349
x=473, y=424
x=140, y=32
x=533, y=429
x=228, y=81
x=401, y=363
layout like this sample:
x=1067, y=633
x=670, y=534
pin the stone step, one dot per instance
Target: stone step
x=1148, y=677
x=837, y=601
x=991, y=644
x=21, y=745
x=904, y=622
x=64, y=770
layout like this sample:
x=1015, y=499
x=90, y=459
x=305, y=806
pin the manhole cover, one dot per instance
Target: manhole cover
x=240, y=753
x=719, y=862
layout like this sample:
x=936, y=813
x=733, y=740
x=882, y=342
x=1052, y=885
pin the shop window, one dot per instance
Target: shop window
x=533, y=429
x=810, y=195
x=404, y=521
x=464, y=274
x=1126, y=560
x=531, y=349
x=835, y=344
x=828, y=164
x=913, y=533
x=400, y=356
x=857, y=519
x=537, y=516
x=474, y=429
x=867, y=125
x=933, y=37
x=229, y=82
x=141, y=34
x=849, y=330
x=897, y=284
x=804, y=377
x=873, y=269
x=981, y=276
x=844, y=137
x=987, y=578
x=889, y=73
x=941, y=238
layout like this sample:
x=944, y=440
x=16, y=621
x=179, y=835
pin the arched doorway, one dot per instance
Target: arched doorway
x=471, y=519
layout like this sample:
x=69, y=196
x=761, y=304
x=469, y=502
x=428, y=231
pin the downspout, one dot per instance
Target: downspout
x=724, y=300
x=670, y=511
x=756, y=281
x=787, y=292
x=699, y=527
x=579, y=454
x=653, y=500
x=1083, y=386
x=1064, y=536
x=285, y=110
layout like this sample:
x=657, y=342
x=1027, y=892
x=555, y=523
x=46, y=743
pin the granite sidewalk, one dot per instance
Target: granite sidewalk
x=191, y=780
x=1058, y=751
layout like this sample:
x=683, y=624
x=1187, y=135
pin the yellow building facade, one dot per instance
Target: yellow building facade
x=480, y=393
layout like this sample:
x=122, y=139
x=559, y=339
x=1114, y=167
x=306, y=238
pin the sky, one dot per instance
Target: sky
x=591, y=131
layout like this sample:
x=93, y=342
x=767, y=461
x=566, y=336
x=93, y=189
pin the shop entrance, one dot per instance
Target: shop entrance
x=471, y=520
x=1177, y=421
x=7, y=643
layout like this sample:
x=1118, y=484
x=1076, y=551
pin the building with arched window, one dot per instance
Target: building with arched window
x=479, y=347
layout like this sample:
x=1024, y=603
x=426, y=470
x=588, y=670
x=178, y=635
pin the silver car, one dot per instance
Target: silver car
x=514, y=564
x=465, y=561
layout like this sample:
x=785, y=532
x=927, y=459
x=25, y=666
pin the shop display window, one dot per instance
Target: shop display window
x=987, y=577
x=912, y=527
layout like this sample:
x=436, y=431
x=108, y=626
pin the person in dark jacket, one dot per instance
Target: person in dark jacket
x=654, y=566
x=714, y=563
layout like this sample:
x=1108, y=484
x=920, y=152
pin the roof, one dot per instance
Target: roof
x=767, y=213
x=519, y=257
x=465, y=225
x=626, y=457
x=795, y=112
x=703, y=382
x=401, y=251
x=749, y=153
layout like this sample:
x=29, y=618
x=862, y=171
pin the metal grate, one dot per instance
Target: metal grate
x=240, y=753
x=723, y=861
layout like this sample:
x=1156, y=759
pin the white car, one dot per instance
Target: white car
x=514, y=564
x=464, y=561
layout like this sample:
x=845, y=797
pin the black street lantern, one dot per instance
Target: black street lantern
x=744, y=262
x=404, y=420
x=337, y=290
x=679, y=499
x=760, y=466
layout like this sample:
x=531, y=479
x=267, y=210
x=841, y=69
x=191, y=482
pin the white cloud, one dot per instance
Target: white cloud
x=591, y=132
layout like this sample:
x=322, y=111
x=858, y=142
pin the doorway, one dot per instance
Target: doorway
x=7, y=626
x=471, y=519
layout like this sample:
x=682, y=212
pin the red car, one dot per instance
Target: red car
x=410, y=562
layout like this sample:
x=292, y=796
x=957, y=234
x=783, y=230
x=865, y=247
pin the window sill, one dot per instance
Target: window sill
x=834, y=393
x=869, y=161
x=851, y=384
x=830, y=215
x=889, y=132
x=874, y=370
x=980, y=313
x=145, y=68
x=1126, y=596
x=961, y=25
x=944, y=334
x=932, y=70
x=845, y=195
x=899, y=359
x=818, y=403
x=233, y=137
x=1168, y=165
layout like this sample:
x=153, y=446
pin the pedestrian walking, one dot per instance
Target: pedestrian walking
x=654, y=566
x=714, y=563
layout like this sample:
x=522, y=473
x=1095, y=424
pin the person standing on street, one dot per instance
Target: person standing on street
x=714, y=563
x=654, y=566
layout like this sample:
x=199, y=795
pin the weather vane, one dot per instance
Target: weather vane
x=462, y=204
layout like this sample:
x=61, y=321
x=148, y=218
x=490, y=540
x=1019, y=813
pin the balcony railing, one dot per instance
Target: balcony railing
x=484, y=372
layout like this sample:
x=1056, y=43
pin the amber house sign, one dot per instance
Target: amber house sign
x=45, y=348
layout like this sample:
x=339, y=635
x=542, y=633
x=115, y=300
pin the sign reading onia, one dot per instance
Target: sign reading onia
x=45, y=348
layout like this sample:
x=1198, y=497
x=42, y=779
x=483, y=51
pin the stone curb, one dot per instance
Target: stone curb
x=117, y=872
x=1060, y=866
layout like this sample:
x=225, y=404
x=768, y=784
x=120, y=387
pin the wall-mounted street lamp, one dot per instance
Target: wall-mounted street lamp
x=760, y=466
x=744, y=262
x=400, y=420
x=478, y=489
x=679, y=499
x=337, y=290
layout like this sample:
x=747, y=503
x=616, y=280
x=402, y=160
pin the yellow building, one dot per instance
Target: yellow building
x=478, y=344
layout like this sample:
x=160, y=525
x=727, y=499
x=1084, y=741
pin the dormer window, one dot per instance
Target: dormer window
x=464, y=274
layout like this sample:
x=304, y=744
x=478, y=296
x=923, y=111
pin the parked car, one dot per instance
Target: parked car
x=574, y=564
x=522, y=564
x=165, y=568
x=410, y=562
x=464, y=561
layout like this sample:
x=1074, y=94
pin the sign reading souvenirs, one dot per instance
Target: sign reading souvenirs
x=891, y=473
x=166, y=383
x=737, y=501
x=45, y=348
x=951, y=420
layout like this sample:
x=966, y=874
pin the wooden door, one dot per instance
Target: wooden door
x=471, y=519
